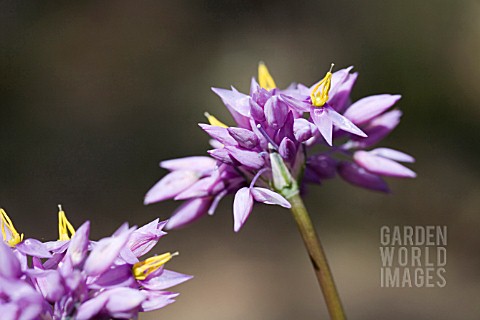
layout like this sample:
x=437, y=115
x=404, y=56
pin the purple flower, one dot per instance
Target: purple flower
x=84, y=279
x=281, y=140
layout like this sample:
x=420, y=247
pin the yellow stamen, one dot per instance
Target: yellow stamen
x=16, y=238
x=264, y=78
x=141, y=270
x=214, y=121
x=319, y=95
x=64, y=226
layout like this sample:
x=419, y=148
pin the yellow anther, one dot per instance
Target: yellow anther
x=65, y=228
x=214, y=121
x=319, y=93
x=141, y=270
x=264, y=78
x=12, y=238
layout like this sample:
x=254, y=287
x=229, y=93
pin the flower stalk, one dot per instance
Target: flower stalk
x=317, y=257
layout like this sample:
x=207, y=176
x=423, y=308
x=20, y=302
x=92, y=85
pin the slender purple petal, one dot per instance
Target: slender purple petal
x=237, y=103
x=392, y=154
x=323, y=122
x=105, y=252
x=157, y=299
x=188, y=212
x=267, y=196
x=382, y=166
x=187, y=163
x=297, y=105
x=49, y=284
x=245, y=138
x=340, y=94
x=303, y=129
x=358, y=176
x=235, y=100
x=219, y=133
x=287, y=150
x=221, y=155
x=370, y=107
x=165, y=280
x=201, y=188
x=342, y=122
x=145, y=238
x=170, y=185
x=242, y=207
x=77, y=250
x=276, y=112
x=34, y=248
x=250, y=159
x=9, y=265
x=117, y=276
x=256, y=111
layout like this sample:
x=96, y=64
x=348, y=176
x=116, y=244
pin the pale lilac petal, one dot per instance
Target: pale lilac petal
x=339, y=95
x=105, y=252
x=287, y=150
x=242, y=207
x=170, y=185
x=200, y=163
x=392, y=154
x=118, y=276
x=342, y=122
x=219, y=133
x=254, y=86
x=245, y=138
x=358, y=176
x=49, y=283
x=165, y=280
x=77, y=249
x=10, y=310
x=145, y=238
x=267, y=196
x=215, y=144
x=256, y=111
x=188, y=212
x=90, y=308
x=216, y=201
x=370, y=107
x=338, y=80
x=157, y=299
x=57, y=246
x=276, y=112
x=379, y=128
x=382, y=166
x=250, y=159
x=221, y=155
x=297, y=105
x=323, y=123
x=303, y=129
x=237, y=103
x=34, y=248
x=9, y=266
x=201, y=188
x=124, y=301
x=235, y=100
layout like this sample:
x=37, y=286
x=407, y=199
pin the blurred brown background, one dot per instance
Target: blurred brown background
x=95, y=94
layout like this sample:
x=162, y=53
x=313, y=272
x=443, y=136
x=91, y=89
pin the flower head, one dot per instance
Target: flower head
x=281, y=140
x=75, y=277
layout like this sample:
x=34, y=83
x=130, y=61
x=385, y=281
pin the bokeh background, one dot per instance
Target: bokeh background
x=94, y=94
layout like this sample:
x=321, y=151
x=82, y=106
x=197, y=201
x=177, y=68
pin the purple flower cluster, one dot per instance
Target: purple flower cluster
x=76, y=278
x=282, y=140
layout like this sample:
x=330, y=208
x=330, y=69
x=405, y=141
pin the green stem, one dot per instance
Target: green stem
x=318, y=258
